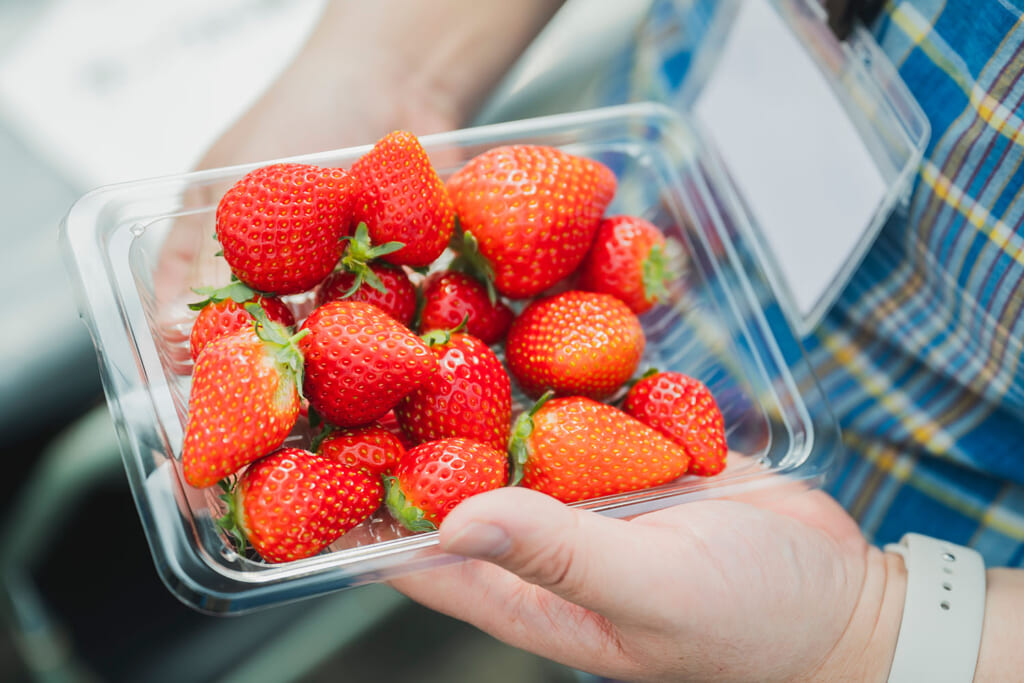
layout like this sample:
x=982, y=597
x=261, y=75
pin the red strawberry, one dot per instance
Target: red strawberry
x=450, y=297
x=397, y=300
x=627, y=260
x=222, y=313
x=576, y=343
x=390, y=423
x=360, y=277
x=360, y=362
x=280, y=227
x=470, y=397
x=533, y=211
x=371, y=447
x=243, y=402
x=575, y=449
x=293, y=503
x=436, y=476
x=404, y=200
x=684, y=410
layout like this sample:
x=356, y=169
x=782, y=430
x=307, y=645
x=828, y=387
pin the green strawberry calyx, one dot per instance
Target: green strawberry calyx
x=231, y=522
x=518, y=450
x=410, y=516
x=237, y=291
x=471, y=262
x=655, y=274
x=439, y=337
x=284, y=347
x=359, y=254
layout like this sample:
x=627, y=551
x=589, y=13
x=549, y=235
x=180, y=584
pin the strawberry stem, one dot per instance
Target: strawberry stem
x=438, y=337
x=319, y=437
x=518, y=451
x=417, y=316
x=285, y=348
x=410, y=516
x=358, y=256
x=471, y=262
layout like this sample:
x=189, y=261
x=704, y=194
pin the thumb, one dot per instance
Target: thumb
x=576, y=554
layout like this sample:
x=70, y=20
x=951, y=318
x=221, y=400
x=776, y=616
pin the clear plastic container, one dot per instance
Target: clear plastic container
x=722, y=324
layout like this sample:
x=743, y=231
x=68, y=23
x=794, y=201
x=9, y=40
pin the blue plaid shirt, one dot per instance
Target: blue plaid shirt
x=921, y=356
x=930, y=392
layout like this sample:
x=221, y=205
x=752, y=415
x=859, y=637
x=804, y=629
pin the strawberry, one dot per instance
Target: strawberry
x=243, y=402
x=372, y=447
x=684, y=410
x=576, y=343
x=627, y=260
x=575, y=448
x=532, y=212
x=450, y=297
x=222, y=313
x=404, y=200
x=280, y=227
x=470, y=397
x=390, y=423
x=360, y=362
x=398, y=298
x=361, y=277
x=432, y=478
x=292, y=503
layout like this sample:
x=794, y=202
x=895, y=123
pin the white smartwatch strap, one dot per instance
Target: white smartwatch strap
x=940, y=634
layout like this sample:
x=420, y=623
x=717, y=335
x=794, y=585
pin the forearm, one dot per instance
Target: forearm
x=372, y=67
x=1001, y=657
x=452, y=51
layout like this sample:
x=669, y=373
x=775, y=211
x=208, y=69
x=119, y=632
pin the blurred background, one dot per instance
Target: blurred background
x=94, y=92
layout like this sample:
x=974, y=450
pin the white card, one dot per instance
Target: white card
x=112, y=90
x=793, y=152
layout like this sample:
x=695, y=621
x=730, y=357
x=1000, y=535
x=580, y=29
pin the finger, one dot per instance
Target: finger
x=587, y=559
x=516, y=612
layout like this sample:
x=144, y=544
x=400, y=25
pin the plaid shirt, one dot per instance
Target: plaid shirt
x=921, y=356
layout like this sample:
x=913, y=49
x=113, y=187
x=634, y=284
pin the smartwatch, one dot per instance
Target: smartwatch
x=940, y=633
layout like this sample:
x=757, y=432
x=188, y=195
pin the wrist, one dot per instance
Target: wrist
x=865, y=650
x=1000, y=657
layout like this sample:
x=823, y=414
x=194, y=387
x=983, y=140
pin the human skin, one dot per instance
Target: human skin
x=783, y=588
x=368, y=68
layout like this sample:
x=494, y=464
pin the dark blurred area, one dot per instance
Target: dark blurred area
x=80, y=599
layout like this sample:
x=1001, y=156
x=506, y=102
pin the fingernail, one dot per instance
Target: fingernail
x=480, y=540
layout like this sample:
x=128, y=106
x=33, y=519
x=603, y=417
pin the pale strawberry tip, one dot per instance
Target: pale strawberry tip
x=407, y=514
